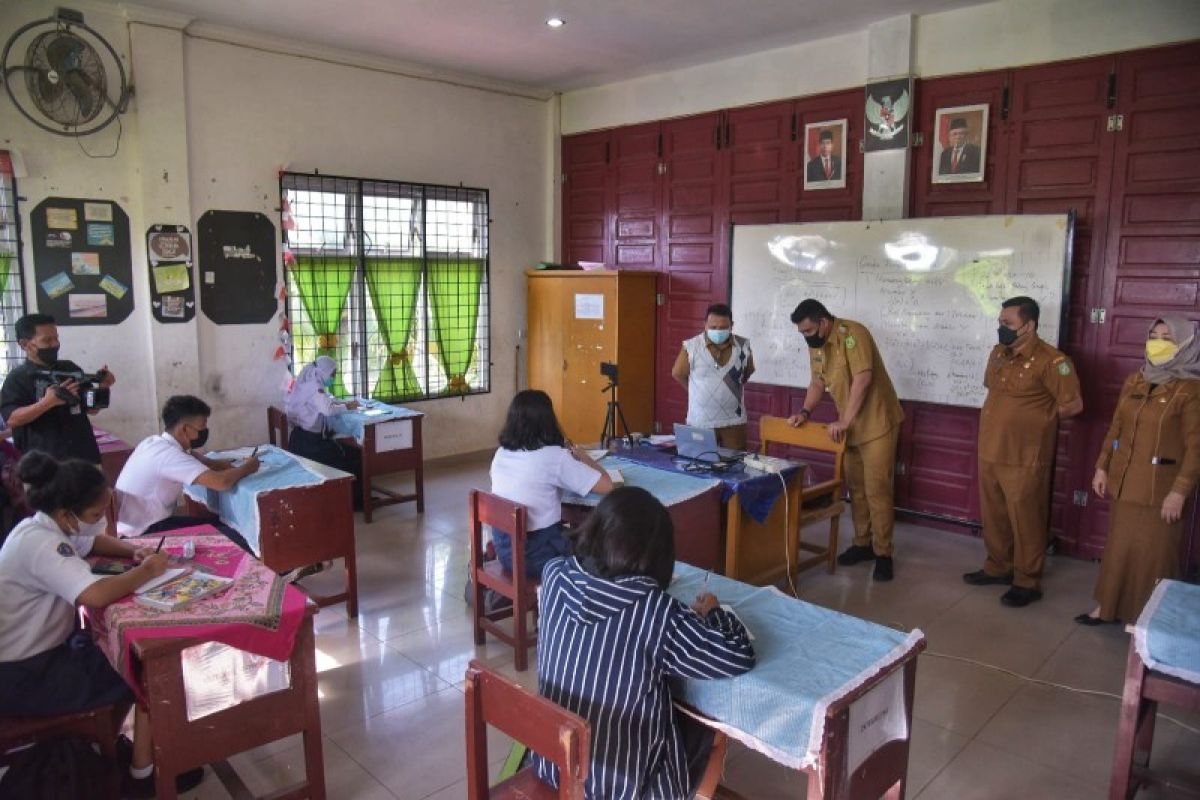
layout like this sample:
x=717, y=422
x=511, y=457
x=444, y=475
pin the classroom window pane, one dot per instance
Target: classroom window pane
x=12, y=293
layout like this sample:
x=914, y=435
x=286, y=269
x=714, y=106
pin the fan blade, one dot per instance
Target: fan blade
x=63, y=53
x=85, y=94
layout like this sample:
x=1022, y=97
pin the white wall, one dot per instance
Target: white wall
x=250, y=112
x=994, y=35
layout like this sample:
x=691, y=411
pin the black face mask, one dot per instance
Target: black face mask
x=199, y=440
x=1006, y=335
x=47, y=355
x=816, y=341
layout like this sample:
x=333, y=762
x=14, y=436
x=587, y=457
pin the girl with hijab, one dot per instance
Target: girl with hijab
x=307, y=404
x=1148, y=467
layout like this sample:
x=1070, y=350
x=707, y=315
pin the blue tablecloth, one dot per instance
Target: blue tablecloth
x=238, y=507
x=756, y=491
x=354, y=423
x=1167, y=634
x=808, y=657
x=670, y=488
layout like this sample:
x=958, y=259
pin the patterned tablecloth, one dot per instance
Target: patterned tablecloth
x=1167, y=634
x=354, y=423
x=808, y=657
x=259, y=613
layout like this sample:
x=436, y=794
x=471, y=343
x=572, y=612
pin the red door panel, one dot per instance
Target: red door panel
x=636, y=197
x=825, y=205
x=758, y=162
x=585, y=198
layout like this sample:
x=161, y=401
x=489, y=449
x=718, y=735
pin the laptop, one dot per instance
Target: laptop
x=700, y=444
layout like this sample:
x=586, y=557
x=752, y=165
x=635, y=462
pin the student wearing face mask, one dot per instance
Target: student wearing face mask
x=845, y=362
x=714, y=367
x=1148, y=465
x=308, y=403
x=47, y=666
x=1031, y=386
x=47, y=422
x=152, y=480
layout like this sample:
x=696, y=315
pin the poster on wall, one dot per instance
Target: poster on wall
x=172, y=290
x=237, y=272
x=81, y=261
x=960, y=149
x=825, y=149
x=888, y=111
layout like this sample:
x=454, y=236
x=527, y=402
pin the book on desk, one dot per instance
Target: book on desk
x=181, y=589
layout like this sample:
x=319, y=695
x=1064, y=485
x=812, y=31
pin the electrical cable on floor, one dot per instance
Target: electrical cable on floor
x=1052, y=684
x=787, y=549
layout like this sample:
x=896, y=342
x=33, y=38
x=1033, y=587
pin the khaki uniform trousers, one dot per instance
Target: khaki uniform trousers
x=870, y=469
x=1015, y=503
x=732, y=436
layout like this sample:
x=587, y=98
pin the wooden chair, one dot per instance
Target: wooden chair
x=99, y=725
x=277, y=427
x=506, y=517
x=822, y=501
x=548, y=729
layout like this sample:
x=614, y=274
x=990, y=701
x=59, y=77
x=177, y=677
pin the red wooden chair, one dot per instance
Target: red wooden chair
x=506, y=517
x=277, y=427
x=546, y=728
x=99, y=725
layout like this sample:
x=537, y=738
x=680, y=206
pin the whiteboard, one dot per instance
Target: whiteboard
x=929, y=290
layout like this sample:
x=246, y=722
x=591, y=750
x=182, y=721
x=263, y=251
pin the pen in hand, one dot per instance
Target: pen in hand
x=160, y=544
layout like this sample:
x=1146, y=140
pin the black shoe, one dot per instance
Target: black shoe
x=981, y=578
x=1019, y=597
x=144, y=787
x=883, y=568
x=856, y=554
x=1094, y=622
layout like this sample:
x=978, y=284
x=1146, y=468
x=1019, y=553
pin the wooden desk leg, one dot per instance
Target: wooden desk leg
x=1129, y=727
x=367, y=467
x=168, y=709
x=419, y=479
x=351, y=581
x=733, y=538
x=304, y=676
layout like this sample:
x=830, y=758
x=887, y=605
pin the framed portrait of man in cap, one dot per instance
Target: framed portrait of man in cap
x=825, y=155
x=960, y=144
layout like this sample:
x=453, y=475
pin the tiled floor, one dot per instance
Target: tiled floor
x=391, y=684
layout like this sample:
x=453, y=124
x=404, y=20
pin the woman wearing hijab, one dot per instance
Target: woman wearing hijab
x=307, y=404
x=1148, y=466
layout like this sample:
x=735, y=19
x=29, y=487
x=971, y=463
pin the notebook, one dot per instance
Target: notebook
x=182, y=591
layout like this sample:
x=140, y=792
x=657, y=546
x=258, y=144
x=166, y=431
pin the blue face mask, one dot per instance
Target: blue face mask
x=717, y=336
x=329, y=382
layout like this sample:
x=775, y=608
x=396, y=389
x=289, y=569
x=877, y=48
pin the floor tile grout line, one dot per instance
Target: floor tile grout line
x=366, y=770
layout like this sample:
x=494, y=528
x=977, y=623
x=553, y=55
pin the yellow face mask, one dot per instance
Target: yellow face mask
x=1160, y=351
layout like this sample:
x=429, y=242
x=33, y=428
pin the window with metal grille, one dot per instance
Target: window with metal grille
x=391, y=280
x=12, y=293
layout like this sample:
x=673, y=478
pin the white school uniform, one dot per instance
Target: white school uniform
x=42, y=572
x=536, y=479
x=151, y=482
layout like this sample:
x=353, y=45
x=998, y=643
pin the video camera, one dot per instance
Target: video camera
x=609, y=370
x=91, y=393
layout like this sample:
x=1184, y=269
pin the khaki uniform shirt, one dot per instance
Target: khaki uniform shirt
x=849, y=350
x=1153, y=424
x=1019, y=423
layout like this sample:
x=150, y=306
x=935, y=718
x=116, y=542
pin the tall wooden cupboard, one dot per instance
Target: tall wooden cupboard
x=578, y=320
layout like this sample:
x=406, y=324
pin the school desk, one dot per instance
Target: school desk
x=388, y=440
x=263, y=623
x=1163, y=667
x=760, y=530
x=292, y=513
x=694, y=504
x=830, y=695
x=114, y=452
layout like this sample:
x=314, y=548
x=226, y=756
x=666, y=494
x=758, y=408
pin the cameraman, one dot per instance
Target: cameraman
x=47, y=423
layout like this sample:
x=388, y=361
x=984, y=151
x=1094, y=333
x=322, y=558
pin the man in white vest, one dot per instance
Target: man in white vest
x=714, y=367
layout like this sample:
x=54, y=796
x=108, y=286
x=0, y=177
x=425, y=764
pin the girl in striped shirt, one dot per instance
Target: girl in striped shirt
x=610, y=640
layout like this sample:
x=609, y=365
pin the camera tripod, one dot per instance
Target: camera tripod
x=611, y=418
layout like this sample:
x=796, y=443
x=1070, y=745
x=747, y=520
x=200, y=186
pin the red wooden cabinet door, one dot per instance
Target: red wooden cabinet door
x=1059, y=159
x=694, y=261
x=636, y=197
x=585, y=197
x=1152, y=251
x=758, y=163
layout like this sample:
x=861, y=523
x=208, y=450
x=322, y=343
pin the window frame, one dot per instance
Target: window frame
x=10, y=352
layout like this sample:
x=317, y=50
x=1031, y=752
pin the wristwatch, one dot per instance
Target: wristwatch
x=806, y=413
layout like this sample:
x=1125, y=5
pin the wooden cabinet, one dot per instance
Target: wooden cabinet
x=578, y=320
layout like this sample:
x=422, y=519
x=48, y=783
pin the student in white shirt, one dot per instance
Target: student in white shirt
x=47, y=667
x=308, y=404
x=155, y=475
x=533, y=466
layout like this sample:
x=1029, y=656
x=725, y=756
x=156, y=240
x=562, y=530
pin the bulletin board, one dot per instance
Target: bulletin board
x=82, y=265
x=238, y=277
x=172, y=284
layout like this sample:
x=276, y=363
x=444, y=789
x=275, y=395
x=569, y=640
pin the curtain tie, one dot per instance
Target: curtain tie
x=458, y=384
x=327, y=341
x=399, y=357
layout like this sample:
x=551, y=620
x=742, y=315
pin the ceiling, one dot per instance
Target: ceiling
x=509, y=41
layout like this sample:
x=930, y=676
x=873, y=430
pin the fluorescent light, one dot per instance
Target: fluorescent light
x=556, y=22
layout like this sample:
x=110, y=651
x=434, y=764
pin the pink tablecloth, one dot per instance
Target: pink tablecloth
x=260, y=613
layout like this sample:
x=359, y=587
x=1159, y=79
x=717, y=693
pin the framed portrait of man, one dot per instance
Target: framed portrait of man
x=825, y=155
x=960, y=144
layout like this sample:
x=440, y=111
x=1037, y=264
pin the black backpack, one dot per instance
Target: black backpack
x=62, y=768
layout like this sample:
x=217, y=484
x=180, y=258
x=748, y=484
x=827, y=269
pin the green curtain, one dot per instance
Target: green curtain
x=5, y=264
x=394, y=284
x=453, y=294
x=323, y=285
